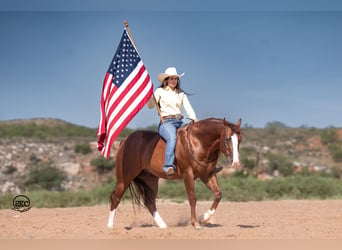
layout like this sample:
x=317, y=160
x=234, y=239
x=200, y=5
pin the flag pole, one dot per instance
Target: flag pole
x=154, y=98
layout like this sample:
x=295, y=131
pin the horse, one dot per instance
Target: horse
x=140, y=158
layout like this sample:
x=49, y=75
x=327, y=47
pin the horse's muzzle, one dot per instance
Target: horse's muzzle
x=235, y=164
x=232, y=163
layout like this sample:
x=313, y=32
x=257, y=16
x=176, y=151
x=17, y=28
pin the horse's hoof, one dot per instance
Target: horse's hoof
x=197, y=226
x=203, y=221
x=207, y=216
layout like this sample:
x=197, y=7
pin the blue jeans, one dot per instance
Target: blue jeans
x=168, y=131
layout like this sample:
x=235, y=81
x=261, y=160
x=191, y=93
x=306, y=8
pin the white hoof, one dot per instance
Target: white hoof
x=207, y=215
x=159, y=220
x=110, y=223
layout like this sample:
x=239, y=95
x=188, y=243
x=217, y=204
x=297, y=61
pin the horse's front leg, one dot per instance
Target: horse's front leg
x=212, y=184
x=190, y=190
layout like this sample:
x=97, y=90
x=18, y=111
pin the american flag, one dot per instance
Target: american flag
x=126, y=89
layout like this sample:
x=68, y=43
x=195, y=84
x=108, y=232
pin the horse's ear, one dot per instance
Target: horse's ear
x=238, y=123
x=224, y=120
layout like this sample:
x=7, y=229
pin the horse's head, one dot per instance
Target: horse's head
x=230, y=141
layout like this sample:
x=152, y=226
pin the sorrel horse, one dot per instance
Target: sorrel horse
x=140, y=158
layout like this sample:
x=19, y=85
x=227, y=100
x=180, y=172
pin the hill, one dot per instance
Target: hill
x=43, y=129
x=274, y=148
x=68, y=151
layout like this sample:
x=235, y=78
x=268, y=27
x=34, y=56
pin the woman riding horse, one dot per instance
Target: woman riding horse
x=140, y=158
x=170, y=98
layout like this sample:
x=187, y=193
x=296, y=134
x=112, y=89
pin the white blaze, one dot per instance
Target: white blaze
x=235, y=148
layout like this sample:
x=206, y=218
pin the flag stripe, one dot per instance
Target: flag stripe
x=105, y=93
x=127, y=114
x=127, y=104
x=126, y=89
x=117, y=96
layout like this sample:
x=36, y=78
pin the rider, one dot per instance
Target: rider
x=171, y=98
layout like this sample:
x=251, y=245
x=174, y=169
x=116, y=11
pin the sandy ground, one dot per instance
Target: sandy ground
x=305, y=219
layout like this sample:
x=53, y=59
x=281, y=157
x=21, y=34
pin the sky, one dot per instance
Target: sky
x=270, y=61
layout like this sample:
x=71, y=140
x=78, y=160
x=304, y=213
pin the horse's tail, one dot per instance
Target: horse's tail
x=136, y=152
x=141, y=191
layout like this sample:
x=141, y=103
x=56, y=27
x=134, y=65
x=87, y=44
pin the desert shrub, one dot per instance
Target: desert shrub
x=102, y=164
x=280, y=163
x=317, y=187
x=335, y=151
x=274, y=127
x=248, y=163
x=249, y=158
x=241, y=189
x=9, y=169
x=43, y=175
x=82, y=148
x=328, y=135
x=336, y=172
x=34, y=130
x=232, y=188
x=174, y=190
x=281, y=188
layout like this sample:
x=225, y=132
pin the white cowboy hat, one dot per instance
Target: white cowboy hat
x=171, y=71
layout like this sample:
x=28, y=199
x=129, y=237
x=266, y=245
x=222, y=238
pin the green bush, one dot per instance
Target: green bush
x=82, y=148
x=274, y=127
x=248, y=163
x=335, y=151
x=253, y=189
x=281, y=163
x=9, y=169
x=102, y=164
x=249, y=158
x=43, y=175
x=232, y=188
x=329, y=135
x=336, y=172
x=44, y=131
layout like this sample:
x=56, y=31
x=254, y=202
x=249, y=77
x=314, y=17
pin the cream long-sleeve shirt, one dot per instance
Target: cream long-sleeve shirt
x=171, y=102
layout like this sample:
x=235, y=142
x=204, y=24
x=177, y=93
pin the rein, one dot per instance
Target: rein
x=190, y=148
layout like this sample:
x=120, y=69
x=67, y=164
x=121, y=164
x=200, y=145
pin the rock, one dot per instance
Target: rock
x=70, y=168
x=9, y=187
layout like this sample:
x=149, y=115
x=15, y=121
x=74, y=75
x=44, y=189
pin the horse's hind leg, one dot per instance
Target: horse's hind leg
x=149, y=187
x=115, y=199
x=213, y=186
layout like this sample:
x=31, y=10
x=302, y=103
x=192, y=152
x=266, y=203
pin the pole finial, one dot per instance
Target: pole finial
x=126, y=24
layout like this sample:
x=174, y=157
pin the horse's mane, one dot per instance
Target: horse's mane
x=234, y=127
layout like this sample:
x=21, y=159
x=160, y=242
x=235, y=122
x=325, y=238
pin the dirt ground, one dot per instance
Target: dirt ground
x=288, y=219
